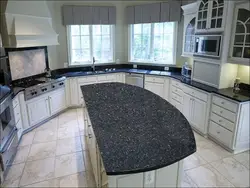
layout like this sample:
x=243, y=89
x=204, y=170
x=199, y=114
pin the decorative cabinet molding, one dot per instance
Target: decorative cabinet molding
x=240, y=42
x=211, y=16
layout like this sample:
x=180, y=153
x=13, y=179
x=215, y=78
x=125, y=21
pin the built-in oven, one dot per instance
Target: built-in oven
x=7, y=121
x=208, y=45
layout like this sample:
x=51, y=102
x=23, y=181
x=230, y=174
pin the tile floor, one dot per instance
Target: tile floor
x=55, y=155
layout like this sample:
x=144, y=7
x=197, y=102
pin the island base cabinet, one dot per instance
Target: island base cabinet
x=169, y=176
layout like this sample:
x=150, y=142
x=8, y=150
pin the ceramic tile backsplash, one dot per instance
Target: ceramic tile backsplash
x=26, y=63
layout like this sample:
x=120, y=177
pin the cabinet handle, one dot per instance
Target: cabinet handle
x=221, y=111
x=90, y=136
x=218, y=132
x=220, y=121
x=89, y=125
x=222, y=102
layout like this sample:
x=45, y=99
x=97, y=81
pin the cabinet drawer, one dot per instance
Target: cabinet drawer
x=176, y=84
x=17, y=113
x=176, y=104
x=222, y=121
x=224, y=113
x=154, y=79
x=177, y=90
x=87, y=79
x=220, y=133
x=111, y=77
x=102, y=78
x=225, y=104
x=176, y=97
x=195, y=93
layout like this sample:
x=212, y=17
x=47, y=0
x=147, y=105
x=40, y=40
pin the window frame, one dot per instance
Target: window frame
x=145, y=62
x=87, y=63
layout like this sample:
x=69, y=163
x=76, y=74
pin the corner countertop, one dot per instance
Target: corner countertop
x=136, y=130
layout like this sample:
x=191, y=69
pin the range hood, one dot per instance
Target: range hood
x=26, y=24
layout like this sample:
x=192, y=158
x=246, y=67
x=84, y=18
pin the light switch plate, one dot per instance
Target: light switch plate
x=134, y=66
x=65, y=65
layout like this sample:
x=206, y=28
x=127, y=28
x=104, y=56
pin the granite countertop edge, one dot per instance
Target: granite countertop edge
x=149, y=169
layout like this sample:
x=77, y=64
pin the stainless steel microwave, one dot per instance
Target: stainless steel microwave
x=208, y=45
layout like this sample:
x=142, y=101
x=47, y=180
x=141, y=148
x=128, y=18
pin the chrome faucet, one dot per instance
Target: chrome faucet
x=93, y=64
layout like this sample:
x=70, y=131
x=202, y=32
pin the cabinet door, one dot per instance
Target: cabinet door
x=198, y=114
x=189, y=37
x=202, y=16
x=241, y=34
x=216, y=16
x=93, y=154
x=187, y=106
x=57, y=101
x=157, y=88
x=73, y=92
x=38, y=110
x=210, y=16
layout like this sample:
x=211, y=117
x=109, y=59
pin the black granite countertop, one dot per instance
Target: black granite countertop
x=136, y=130
x=242, y=96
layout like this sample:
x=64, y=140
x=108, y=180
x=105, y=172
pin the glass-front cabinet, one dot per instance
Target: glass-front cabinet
x=189, y=38
x=240, y=46
x=189, y=12
x=211, y=15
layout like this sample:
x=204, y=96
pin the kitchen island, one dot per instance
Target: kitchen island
x=135, y=138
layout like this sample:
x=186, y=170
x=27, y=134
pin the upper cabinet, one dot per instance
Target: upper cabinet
x=211, y=16
x=189, y=12
x=240, y=42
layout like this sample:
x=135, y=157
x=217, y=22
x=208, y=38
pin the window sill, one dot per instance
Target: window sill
x=152, y=63
x=90, y=64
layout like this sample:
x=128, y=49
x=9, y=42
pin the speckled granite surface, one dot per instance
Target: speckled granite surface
x=136, y=130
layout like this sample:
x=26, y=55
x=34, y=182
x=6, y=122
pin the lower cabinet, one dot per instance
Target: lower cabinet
x=57, y=101
x=38, y=109
x=157, y=85
x=195, y=110
x=42, y=107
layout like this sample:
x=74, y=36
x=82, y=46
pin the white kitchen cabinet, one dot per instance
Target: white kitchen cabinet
x=229, y=123
x=240, y=42
x=73, y=92
x=17, y=115
x=176, y=94
x=157, y=85
x=196, y=108
x=211, y=15
x=189, y=12
x=199, y=115
x=57, y=101
x=38, y=109
x=120, y=77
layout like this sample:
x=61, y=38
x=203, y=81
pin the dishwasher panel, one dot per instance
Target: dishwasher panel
x=135, y=80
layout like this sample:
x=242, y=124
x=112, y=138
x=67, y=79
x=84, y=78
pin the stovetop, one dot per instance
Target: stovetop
x=29, y=83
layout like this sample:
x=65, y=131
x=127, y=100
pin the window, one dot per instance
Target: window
x=90, y=41
x=153, y=43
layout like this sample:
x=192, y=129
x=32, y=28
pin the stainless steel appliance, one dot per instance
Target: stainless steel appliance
x=7, y=121
x=8, y=152
x=135, y=79
x=208, y=45
x=36, y=87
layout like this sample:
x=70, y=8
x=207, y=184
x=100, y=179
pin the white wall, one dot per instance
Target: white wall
x=58, y=54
